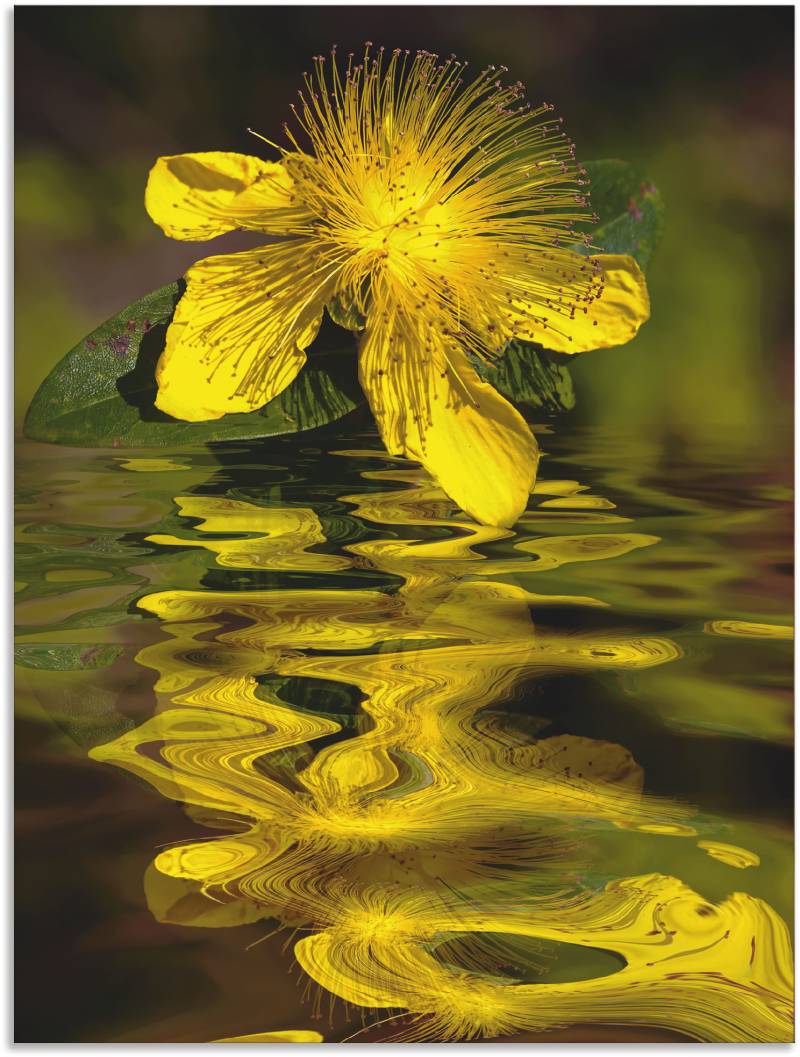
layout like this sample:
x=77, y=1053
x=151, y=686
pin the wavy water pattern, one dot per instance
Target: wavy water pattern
x=408, y=745
x=416, y=841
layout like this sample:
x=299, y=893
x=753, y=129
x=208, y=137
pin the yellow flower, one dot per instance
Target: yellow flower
x=444, y=213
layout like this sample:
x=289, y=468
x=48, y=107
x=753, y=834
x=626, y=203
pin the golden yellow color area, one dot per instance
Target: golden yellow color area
x=729, y=853
x=441, y=217
x=287, y=532
x=277, y=1036
x=735, y=628
x=409, y=850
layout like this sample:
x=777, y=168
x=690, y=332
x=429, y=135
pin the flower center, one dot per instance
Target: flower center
x=403, y=224
x=430, y=194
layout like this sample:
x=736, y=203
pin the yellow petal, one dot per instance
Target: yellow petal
x=199, y=196
x=610, y=320
x=239, y=331
x=430, y=405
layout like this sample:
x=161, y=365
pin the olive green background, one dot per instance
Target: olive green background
x=701, y=96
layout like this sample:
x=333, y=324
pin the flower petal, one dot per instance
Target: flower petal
x=199, y=196
x=238, y=333
x=611, y=319
x=430, y=405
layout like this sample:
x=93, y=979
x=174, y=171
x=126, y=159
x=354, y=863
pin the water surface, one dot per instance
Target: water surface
x=301, y=748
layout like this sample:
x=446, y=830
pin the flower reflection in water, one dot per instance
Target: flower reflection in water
x=426, y=850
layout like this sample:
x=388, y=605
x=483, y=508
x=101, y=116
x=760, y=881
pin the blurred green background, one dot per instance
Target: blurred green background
x=703, y=97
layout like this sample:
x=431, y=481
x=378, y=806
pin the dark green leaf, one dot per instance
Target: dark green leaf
x=102, y=393
x=630, y=209
x=529, y=375
x=345, y=315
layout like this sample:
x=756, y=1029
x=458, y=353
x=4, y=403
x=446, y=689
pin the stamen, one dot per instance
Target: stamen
x=451, y=207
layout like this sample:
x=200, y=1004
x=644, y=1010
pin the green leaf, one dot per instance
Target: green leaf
x=629, y=207
x=345, y=315
x=530, y=375
x=102, y=393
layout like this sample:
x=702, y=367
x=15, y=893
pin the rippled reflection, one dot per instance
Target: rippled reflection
x=427, y=847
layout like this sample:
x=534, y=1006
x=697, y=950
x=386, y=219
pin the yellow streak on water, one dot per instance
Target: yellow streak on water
x=741, y=858
x=152, y=465
x=277, y=1036
x=736, y=628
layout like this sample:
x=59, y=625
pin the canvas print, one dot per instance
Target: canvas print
x=404, y=524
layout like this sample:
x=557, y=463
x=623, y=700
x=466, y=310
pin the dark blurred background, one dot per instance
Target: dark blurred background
x=703, y=97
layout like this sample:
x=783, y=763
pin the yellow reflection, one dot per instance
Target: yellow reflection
x=436, y=815
x=748, y=630
x=278, y=1036
x=152, y=465
x=715, y=972
x=554, y=551
x=579, y=502
x=282, y=535
x=730, y=854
